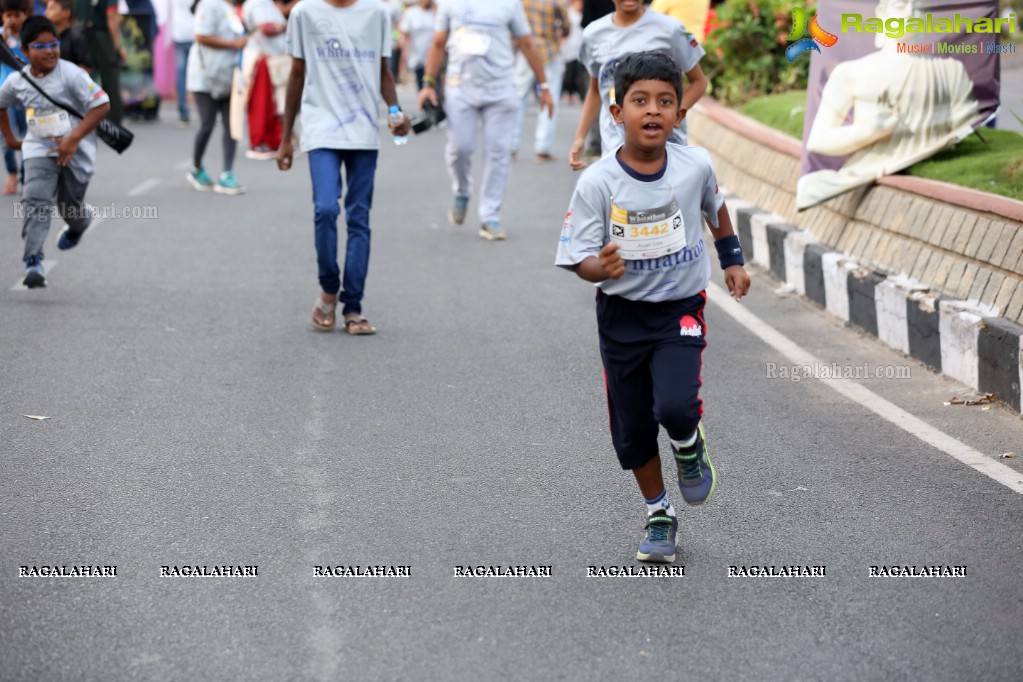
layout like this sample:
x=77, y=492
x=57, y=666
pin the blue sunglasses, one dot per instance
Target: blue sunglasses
x=45, y=46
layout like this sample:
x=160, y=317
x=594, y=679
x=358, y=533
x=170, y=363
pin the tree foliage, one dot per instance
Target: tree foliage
x=746, y=53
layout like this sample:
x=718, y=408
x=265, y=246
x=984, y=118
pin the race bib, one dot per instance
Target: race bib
x=646, y=234
x=48, y=123
x=471, y=43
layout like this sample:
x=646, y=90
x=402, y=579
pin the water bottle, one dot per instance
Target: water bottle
x=395, y=117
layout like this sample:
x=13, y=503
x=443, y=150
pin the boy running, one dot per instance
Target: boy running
x=634, y=228
x=59, y=150
x=632, y=27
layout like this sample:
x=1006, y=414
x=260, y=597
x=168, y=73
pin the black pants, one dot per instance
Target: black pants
x=208, y=110
x=108, y=68
x=652, y=354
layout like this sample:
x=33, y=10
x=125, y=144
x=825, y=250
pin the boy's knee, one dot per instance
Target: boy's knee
x=680, y=415
x=325, y=210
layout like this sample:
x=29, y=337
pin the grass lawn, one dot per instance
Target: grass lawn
x=995, y=167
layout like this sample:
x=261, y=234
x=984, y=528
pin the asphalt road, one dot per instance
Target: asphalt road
x=195, y=419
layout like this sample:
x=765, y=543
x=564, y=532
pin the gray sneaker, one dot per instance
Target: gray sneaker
x=696, y=475
x=658, y=544
x=492, y=232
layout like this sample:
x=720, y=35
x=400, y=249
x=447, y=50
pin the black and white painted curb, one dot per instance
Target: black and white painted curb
x=963, y=339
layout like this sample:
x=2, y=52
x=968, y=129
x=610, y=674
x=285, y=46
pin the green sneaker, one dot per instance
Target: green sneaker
x=696, y=475
x=658, y=543
x=198, y=178
x=227, y=183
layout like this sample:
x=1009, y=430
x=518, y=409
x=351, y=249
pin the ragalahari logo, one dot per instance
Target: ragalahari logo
x=817, y=35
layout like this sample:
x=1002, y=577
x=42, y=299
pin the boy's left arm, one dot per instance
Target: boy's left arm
x=698, y=84
x=730, y=255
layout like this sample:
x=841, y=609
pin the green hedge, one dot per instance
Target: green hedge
x=746, y=55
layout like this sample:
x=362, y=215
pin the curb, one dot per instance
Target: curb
x=962, y=339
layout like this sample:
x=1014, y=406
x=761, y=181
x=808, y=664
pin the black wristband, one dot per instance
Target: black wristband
x=729, y=251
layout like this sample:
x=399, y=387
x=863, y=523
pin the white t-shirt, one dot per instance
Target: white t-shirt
x=210, y=68
x=68, y=84
x=418, y=24
x=342, y=48
x=610, y=202
x=182, y=21
x=480, y=35
x=605, y=44
x=256, y=13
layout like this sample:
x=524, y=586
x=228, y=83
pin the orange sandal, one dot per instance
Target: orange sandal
x=324, y=317
x=357, y=325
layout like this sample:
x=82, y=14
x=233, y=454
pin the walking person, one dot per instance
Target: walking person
x=549, y=21
x=480, y=89
x=340, y=52
x=103, y=28
x=59, y=149
x=182, y=31
x=219, y=36
x=416, y=28
x=266, y=25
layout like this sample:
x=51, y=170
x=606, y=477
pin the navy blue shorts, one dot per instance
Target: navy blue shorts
x=652, y=354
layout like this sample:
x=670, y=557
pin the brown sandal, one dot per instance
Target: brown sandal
x=327, y=317
x=357, y=325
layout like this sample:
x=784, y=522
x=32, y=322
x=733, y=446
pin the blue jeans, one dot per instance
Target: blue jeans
x=181, y=55
x=360, y=170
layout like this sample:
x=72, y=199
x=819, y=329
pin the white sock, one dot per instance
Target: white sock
x=659, y=503
x=682, y=444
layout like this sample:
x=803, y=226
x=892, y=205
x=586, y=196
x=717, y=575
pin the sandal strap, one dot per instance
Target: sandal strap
x=325, y=308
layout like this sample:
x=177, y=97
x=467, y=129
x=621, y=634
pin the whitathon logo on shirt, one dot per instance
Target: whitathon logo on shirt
x=648, y=233
x=362, y=571
x=332, y=49
x=635, y=571
x=688, y=254
x=503, y=571
x=917, y=572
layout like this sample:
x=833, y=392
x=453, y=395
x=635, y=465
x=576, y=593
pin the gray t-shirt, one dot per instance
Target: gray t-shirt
x=210, y=69
x=612, y=199
x=68, y=84
x=418, y=24
x=480, y=52
x=342, y=48
x=605, y=44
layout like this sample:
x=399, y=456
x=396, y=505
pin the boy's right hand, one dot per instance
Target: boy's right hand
x=427, y=93
x=611, y=261
x=284, y=154
x=575, y=155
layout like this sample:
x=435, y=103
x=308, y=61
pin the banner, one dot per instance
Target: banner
x=894, y=83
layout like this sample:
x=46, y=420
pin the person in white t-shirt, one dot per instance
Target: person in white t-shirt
x=480, y=39
x=266, y=25
x=340, y=51
x=416, y=30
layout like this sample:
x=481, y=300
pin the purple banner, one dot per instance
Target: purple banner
x=904, y=80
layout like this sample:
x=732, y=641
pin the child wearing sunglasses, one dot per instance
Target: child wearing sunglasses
x=59, y=149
